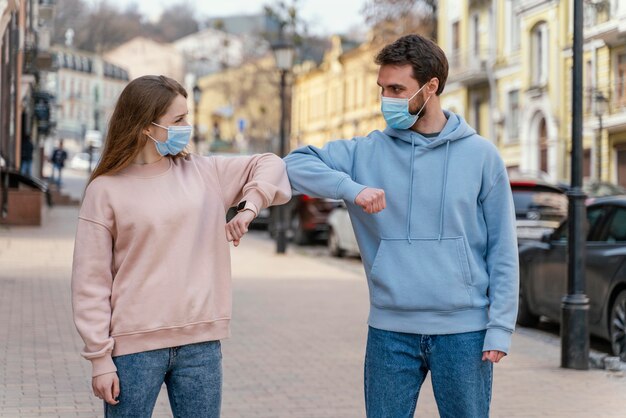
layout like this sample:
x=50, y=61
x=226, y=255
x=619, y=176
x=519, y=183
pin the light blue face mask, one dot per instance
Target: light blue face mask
x=177, y=139
x=396, y=111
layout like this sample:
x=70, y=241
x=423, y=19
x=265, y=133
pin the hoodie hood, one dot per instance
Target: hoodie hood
x=455, y=128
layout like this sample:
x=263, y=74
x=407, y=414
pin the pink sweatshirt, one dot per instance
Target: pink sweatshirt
x=151, y=260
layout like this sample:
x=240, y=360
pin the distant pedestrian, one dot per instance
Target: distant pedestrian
x=26, y=163
x=433, y=214
x=151, y=285
x=59, y=155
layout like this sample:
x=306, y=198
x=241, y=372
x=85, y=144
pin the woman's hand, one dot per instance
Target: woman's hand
x=107, y=387
x=238, y=226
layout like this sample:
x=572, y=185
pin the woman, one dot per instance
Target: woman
x=151, y=278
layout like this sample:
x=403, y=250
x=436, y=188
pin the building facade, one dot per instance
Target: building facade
x=510, y=76
x=86, y=88
x=338, y=98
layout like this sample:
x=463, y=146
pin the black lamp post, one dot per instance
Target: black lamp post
x=575, y=305
x=601, y=105
x=197, y=95
x=283, y=53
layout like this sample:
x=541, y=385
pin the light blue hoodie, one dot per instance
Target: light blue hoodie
x=442, y=257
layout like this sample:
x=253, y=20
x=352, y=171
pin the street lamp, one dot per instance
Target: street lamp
x=575, y=304
x=197, y=95
x=283, y=53
x=601, y=106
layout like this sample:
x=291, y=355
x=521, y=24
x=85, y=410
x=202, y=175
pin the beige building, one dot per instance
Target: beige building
x=143, y=56
x=243, y=105
x=337, y=99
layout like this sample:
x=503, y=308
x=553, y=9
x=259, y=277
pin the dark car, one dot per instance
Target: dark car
x=540, y=207
x=543, y=273
x=307, y=218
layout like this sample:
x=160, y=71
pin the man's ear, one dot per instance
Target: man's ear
x=433, y=85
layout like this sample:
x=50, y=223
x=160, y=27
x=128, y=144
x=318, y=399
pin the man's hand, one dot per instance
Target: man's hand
x=371, y=200
x=238, y=226
x=493, y=356
x=107, y=387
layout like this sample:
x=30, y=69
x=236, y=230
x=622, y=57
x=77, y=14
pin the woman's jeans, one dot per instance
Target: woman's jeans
x=192, y=374
x=396, y=365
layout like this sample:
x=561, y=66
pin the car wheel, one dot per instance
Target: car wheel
x=617, y=326
x=525, y=317
x=334, y=245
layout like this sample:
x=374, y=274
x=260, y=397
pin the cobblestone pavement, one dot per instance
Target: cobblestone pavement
x=297, y=347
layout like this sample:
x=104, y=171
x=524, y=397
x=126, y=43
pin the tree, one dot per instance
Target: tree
x=177, y=20
x=68, y=14
x=390, y=19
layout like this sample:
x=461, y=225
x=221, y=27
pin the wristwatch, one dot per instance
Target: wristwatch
x=245, y=205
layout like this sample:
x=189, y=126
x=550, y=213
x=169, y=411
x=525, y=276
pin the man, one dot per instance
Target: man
x=433, y=214
x=59, y=155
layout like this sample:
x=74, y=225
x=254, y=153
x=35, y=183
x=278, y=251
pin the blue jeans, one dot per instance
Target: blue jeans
x=56, y=174
x=26, y=167
x=396, y=365
x=192, y=374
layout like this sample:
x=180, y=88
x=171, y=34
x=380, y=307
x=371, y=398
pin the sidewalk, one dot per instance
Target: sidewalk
x=297, y=348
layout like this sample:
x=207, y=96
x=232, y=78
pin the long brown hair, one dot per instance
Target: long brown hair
x=142, y=101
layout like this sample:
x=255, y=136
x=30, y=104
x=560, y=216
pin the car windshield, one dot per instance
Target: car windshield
x=539, y=203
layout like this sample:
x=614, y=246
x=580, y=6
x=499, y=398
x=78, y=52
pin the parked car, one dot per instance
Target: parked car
x=307, y=218
x=341, y=238
x=540, y=207
x=543, y=273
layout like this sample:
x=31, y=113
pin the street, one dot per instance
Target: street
x=297, y=346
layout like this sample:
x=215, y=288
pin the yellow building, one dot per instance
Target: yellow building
x=241, y=106
x=337, y=99
x=510, y=76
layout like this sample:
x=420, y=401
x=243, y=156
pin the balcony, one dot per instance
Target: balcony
x=469, y=67
x=606, y=21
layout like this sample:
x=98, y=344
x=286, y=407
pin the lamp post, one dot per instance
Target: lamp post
x=575, y=305
x=283, y=53
x=197, y=95
x=601, y=105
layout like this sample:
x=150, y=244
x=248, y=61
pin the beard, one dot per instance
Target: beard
x=417, y=103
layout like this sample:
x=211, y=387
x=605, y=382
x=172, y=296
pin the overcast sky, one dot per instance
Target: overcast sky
x=324, y=16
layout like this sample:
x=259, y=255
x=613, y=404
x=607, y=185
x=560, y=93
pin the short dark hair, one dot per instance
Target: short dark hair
x=425, y=56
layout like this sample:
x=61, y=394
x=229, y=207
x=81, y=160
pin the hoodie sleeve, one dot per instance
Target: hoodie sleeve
x=502, y=264
x=92, y=281
x=325, y=172
x=259, y=179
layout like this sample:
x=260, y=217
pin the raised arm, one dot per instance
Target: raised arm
x=325, y=172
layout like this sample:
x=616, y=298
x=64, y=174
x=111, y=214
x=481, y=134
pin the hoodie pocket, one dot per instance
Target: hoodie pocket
x=426, y=274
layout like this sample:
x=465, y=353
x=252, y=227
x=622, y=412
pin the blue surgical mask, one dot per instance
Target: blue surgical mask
x=177, y=139
x=396, y=111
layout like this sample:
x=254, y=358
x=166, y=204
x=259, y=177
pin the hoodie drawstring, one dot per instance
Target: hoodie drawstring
x=443, y=190
x=408, y=218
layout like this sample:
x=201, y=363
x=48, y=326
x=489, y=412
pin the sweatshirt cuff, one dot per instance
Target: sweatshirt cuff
x=102, y=365
x=255, y=198
x=497, y=339
x=348, y=189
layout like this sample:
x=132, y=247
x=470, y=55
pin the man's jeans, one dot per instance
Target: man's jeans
x=192, y=374
x=396, y=365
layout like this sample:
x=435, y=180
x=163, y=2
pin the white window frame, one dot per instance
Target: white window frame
x=539, y=57
x=511, y=138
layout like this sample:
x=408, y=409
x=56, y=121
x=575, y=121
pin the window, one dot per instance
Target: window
x=455, y=42
x=513, y=115
x=539, y=59
x=594, y=220
x=512, y=25
x=475, y=47
x=616, y=231
x=620, y=94
x=589, y=89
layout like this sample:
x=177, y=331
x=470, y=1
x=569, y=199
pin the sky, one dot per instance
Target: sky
x=325, y=17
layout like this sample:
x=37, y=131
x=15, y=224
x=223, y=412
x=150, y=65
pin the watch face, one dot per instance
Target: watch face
x=241, y=206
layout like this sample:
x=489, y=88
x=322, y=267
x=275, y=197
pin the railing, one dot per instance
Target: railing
x=471, y=65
